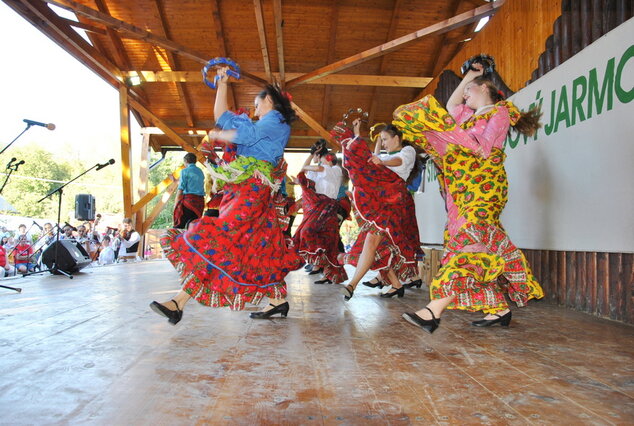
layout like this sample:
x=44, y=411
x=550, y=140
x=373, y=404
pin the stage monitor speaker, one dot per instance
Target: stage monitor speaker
x=71, y=256
x=84, y=207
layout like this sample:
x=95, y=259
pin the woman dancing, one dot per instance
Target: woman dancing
x=317, y=237
x=388, y=238
x=240, y=256
x=467, y=147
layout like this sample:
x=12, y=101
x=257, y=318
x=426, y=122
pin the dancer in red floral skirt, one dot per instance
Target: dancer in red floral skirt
x=388, y=238
x=241, y=256
x=317, y=237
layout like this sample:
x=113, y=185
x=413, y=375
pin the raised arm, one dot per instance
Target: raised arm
x=220, y=105
x=456, y=97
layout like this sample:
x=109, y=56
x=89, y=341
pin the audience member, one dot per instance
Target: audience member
x=23, y=253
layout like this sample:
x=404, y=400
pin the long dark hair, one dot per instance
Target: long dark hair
x=392, y=130
x=281, y=102
x=529, y=120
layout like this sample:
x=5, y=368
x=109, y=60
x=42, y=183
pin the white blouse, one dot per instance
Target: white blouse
x=408, y=158
x=327, y=181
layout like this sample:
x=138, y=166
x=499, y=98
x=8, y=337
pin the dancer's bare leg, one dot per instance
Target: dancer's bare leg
x=393, y=280
x=437, y=306
x=181, y=299
x=366, y=259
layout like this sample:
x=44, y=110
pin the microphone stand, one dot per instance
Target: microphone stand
x=28, y=126
x=11, y=168
x=59, y=191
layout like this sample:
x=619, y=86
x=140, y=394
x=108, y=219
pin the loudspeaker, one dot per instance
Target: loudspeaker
x=84, y=207
x=71, y=257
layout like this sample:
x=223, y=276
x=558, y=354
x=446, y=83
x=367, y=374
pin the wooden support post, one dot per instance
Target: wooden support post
x=141, y=183
x=158, y=189
x=160, y=205
x=126, y=172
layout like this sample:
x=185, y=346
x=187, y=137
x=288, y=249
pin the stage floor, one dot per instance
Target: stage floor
x=90, y=351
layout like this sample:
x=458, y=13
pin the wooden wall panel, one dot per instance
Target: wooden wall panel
x=597, y=283
x=520, y=26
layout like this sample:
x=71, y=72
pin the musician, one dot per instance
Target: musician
x=129, y=241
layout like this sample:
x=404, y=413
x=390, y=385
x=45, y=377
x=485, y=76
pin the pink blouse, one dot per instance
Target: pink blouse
x=481, y=138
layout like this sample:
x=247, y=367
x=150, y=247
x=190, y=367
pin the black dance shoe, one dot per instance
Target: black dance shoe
x=427, y=325
x=400, y=292
x=347, y=292
x=324, y=281
x=282, y=309
x=316, y=271
x=503, y=320
x=370, y=284
x=418, y=284
x=173, y=316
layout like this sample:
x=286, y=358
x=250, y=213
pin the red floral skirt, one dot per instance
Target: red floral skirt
x=317, y=237
x=238, y=257
x=385, y=207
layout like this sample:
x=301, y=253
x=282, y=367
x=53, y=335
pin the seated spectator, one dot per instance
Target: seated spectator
x=23, y=253
x=106, y=256
x=5, y=268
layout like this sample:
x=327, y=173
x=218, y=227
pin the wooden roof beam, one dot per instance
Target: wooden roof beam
x=279, y=37
x=438, y=28
x=84, y=26
x=173, y=63
x=259, y=18
x=221, y=42
x=138, y=33
x=313, y=124
x=332, y=79
x=391, y=33
x=169, y=132
x=334, y=20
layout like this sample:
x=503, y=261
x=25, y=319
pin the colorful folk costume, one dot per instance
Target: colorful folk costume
x=467, y=149
x=384, y=206
x=240, y=256
x=317, y=237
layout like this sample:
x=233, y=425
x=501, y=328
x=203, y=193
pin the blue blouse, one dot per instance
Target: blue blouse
x=192, y=180
x=264, y=140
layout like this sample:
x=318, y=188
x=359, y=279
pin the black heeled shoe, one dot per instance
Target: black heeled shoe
x=324, y=281
x=282, y=309
x=503, y=320
x=427, y=325
x=347, y=292
x=399, y=292
x=418, y=284
x=173, y=316
x=373, y=285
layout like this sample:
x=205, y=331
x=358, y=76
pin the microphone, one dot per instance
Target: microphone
x=38, y=225
x=49, y=126
x=11, y=162
x=101, y=166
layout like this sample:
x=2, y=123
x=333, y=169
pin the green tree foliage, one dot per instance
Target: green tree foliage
x=157, y=174
x=42, y=172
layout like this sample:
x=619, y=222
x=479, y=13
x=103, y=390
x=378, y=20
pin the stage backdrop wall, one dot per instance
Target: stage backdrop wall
x=570, y=185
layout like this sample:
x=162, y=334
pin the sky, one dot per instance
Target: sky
x=42, y=82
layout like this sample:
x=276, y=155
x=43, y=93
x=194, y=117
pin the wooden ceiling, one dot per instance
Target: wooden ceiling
x=330, y=55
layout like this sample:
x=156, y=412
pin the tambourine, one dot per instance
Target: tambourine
x=355, y=112
x=373, y=135
x=235, y=72
x=487, y=62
